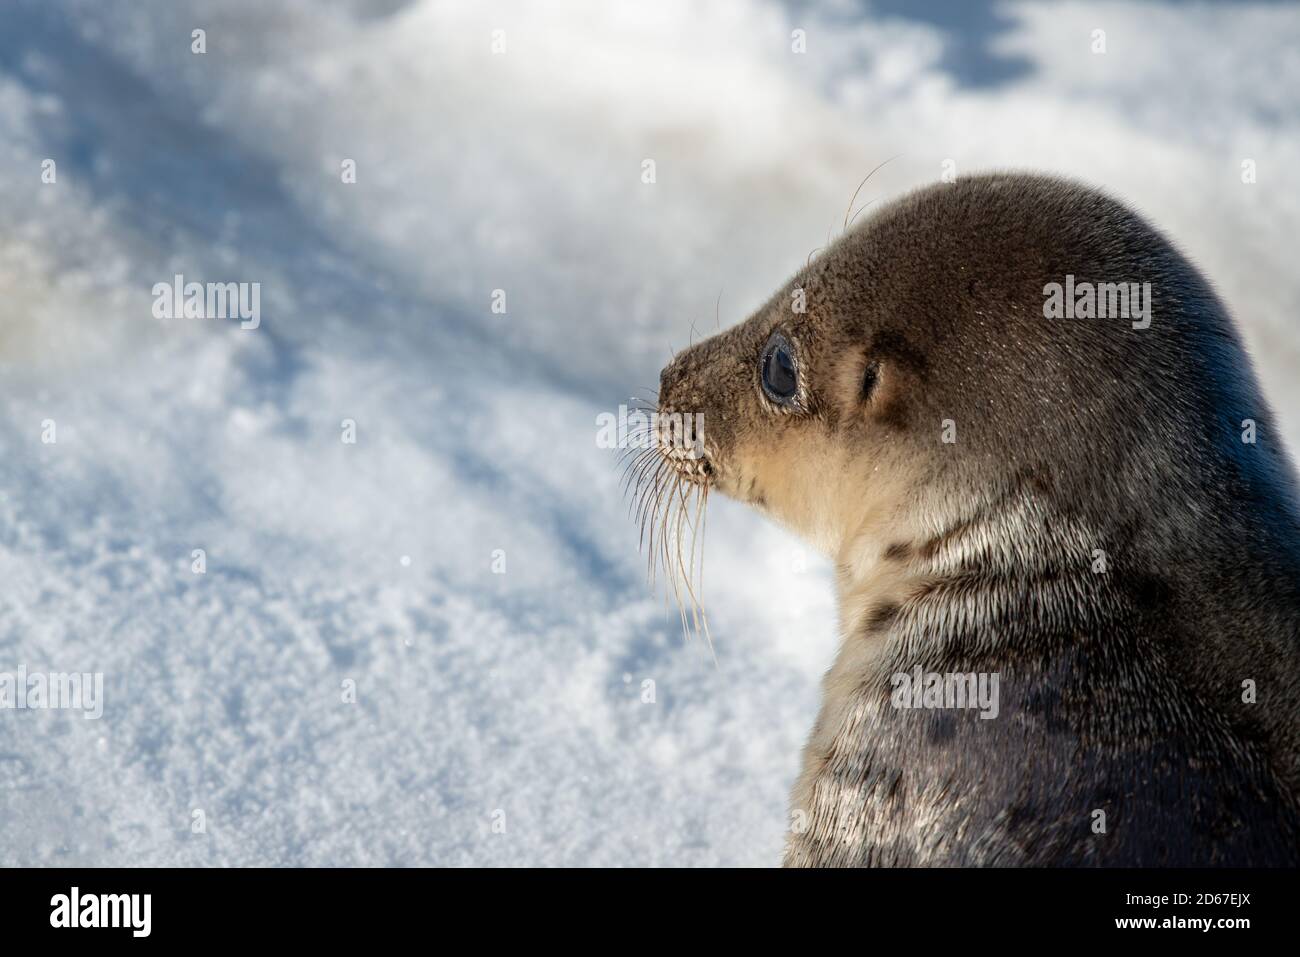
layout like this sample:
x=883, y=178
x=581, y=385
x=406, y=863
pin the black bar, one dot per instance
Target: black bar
x=335, y=907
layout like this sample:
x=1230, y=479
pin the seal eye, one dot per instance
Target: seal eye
x=780, y=380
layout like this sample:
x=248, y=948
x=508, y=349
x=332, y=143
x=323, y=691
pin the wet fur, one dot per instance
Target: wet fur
x=1120, y=691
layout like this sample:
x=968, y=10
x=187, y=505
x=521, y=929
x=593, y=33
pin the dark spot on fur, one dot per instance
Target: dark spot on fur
x=942, y=727
x=931, y=547
x=881, y=615
x=894, y=795
x=897, y=552
x=1151, y=592
x=1040, y=481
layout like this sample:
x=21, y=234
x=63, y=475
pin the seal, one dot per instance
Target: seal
x=1064, y=528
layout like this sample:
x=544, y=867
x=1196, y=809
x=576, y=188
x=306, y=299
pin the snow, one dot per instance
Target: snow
x=484, y=698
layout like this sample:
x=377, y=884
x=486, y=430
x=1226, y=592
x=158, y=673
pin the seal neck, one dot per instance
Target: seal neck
x=986, y=570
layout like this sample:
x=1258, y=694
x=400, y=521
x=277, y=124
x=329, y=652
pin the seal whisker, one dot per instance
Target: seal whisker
x=648, y=513
x=682, y=559
x=701, y=619
x=859, y=212
x=859, y=189
x=655, y=502
x=637, y=474
x=632, y=458
x=667, y=500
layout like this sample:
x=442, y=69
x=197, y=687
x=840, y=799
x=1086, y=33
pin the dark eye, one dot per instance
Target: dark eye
x=780, y=380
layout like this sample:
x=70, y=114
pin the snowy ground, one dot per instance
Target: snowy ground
x=480, y=692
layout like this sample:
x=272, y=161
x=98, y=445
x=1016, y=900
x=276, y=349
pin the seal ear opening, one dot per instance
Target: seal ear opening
x=870, y=379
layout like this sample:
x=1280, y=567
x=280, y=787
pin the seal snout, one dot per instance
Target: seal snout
x=680, y=422
x=679, y=437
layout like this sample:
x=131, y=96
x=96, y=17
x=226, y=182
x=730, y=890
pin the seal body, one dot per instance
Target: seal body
x=1087, y=508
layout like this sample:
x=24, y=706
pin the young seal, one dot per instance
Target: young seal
x=1088, y=515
